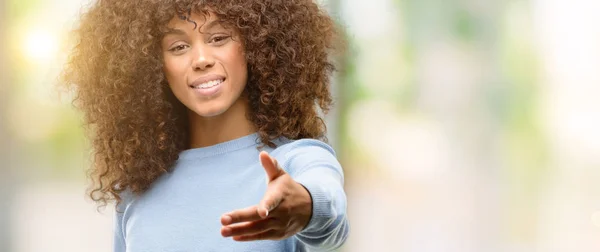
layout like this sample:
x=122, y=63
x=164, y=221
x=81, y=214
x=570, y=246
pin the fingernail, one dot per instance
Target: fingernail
x=227, y=220
x=267, y=214
x=226, y=232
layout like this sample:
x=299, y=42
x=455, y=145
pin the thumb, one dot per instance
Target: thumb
x=270, y=165
x=270, y=201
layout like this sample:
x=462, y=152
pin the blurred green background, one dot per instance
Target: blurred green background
x=462, y=125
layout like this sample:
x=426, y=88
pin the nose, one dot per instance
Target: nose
x=203, y=59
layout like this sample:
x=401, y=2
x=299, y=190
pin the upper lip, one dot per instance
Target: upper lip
x=206, y=78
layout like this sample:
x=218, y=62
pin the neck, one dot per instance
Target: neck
x=230, y=125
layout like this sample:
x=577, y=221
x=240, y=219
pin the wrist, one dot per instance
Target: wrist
x=306, y=206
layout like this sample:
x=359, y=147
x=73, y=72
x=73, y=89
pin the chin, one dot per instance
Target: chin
x=217, y=107
x=209, y=112
x=208, y=115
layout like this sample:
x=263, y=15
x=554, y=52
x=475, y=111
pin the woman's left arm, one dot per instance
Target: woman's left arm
x=309, y=202
x=317, y=169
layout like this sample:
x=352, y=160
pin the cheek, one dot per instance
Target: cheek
x=173, y=70
x=240, y=64
x=241, y=70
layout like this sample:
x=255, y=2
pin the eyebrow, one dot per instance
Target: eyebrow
x=210, y=24
x=175, y=31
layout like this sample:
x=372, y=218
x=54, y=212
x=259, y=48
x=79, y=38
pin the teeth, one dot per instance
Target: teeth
x=208, y=84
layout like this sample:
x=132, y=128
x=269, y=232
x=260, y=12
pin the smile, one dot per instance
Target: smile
x=208, y=84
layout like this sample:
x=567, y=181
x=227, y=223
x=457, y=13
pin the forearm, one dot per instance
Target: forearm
x=328, y=227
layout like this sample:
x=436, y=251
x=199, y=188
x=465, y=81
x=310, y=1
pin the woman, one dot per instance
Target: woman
x=191, y=104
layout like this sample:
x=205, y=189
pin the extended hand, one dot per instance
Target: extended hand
x=285, y=209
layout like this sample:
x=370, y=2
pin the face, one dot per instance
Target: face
x=204, y=64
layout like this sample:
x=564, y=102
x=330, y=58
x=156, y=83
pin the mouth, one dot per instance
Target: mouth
x=207, y=84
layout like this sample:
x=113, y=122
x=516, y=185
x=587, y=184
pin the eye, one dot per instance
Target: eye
x=219, y=40
x=178, y=48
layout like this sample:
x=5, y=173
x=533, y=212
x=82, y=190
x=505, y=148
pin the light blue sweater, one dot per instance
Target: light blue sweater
x=182, y=209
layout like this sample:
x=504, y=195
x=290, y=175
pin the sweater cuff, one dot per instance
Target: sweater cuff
x=322, y=209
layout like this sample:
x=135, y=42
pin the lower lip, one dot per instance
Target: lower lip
x=208, y=91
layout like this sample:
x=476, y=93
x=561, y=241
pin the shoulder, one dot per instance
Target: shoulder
x=127, y=199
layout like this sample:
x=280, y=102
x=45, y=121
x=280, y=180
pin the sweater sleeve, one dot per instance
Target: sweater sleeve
x=313, y=164
x=119, y=244
x=118, y=237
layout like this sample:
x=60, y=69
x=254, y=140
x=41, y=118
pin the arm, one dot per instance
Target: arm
x=119, y=244
x=118, y=238
x=317, y=169
x=308, y=202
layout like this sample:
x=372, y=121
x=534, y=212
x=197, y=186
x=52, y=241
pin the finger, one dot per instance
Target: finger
x=267, y=235
x=241, y=215
x=270, y=201
x=270, y=165
x=249, y=228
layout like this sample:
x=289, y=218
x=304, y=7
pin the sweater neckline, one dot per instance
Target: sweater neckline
x=221, y=148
